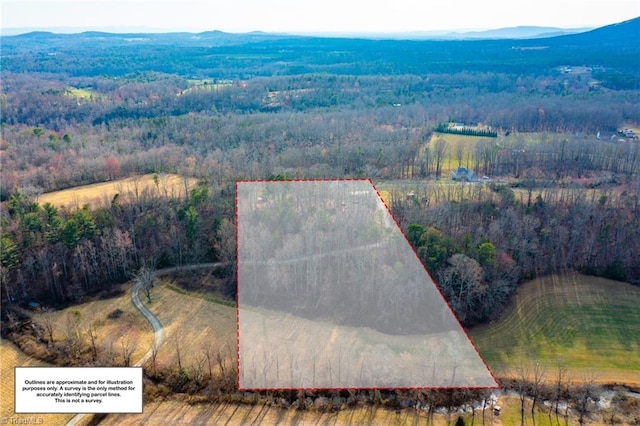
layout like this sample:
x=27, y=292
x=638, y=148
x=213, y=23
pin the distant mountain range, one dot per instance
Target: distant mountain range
x=521, y=32
x=627, y=32
x=518, y=32
x=226, y=55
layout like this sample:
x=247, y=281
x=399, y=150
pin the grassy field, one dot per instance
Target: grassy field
x=586, y=324
x=129, y=325
x=465, y=145
x=180, y=412
x=177, y=412
x=115, y=320
x=81, y=94
x=11, y=356
x=195, y=85
x=166, y=185
x=193, y=325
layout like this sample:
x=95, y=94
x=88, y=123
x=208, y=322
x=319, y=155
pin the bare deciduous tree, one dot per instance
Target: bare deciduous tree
x=539, y=373
x=91, y=331
x=49, y=327
x=145, y=276
x=584, y=397
x=128, y=346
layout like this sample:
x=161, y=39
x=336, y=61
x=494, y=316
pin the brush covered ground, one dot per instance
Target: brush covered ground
x=594, y=344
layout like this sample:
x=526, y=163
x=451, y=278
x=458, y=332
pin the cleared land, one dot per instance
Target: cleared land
x=588, y=325
x=456, y=145
x=115, y=322
x=11, y=356
x=173, y=412
x=97, y=194
x=181, y=412
x=194, y=324
x=82, y=94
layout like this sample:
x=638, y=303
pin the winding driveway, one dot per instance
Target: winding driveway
x=158, y=329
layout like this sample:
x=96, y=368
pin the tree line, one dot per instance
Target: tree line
x=152, y=123
x=59, y=256
x=479, y=244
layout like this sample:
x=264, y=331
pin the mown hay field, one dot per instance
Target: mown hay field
x=10, y=357
x=194, y=325
x=127, y=189
x=172, y=411
x=178, y=412
x=585, y=324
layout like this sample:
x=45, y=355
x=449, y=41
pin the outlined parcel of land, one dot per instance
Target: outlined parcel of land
x=331, y=295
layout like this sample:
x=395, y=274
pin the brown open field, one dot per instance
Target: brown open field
x=456, y=143
x=192, y=325
x=10, y=357
x=190, y=318
x=179, y=412
x=128, y=326
x=97, y=194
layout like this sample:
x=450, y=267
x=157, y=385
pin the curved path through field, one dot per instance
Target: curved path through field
x=158, y=329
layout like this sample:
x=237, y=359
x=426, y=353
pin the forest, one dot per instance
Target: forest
x=94, y=107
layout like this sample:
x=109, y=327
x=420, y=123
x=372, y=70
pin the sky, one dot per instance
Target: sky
x=312, y=16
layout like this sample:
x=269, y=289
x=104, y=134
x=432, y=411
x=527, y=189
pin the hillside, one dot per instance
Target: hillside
x=584, y=324
x=260, y=54
x=518, y=32
x=625, y=33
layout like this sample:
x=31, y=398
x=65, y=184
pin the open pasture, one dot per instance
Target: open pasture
x=194, y=325
x=10, y=357
x=585, y=324
x=116, y=324
x=459, y=150
x=164, y=185
x=83, y=94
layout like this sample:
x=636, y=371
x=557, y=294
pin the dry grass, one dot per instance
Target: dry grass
x=82, y=94
x=127, y=326
x=179, y=412
x=164, y=185
x=11, y=357
x=193, y=325
x=454, y=144
x=282, y=350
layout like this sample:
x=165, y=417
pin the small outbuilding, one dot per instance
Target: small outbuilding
x=464, y=175
x=34, y=306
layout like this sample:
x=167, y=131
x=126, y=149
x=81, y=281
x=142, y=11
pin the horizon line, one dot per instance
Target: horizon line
x=62, y=29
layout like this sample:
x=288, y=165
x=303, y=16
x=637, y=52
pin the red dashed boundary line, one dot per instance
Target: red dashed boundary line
x=438, y=289
x=418, y=259
x=237, y=288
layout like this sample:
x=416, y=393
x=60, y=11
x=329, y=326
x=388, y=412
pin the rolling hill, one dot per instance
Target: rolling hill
x=614, y=47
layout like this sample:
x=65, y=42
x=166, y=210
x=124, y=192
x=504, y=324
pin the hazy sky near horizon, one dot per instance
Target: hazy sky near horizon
x=313, y=15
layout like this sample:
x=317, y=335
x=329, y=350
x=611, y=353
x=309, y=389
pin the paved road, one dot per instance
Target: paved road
x=158, y=329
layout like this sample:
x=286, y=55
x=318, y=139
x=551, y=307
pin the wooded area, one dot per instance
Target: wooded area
x=87, y=108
